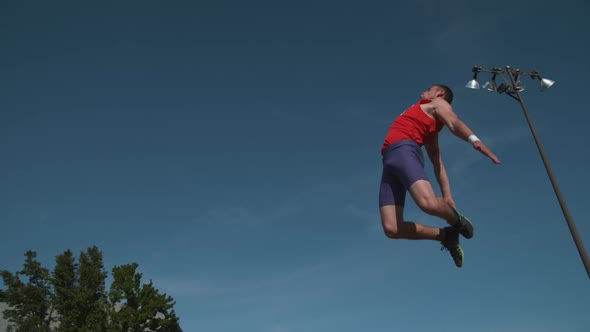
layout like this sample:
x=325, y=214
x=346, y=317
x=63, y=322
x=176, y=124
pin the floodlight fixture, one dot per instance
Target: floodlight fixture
x=473, y=84
x=503, y=87
x=545, y=82
x=491, y=84
x=518, y=86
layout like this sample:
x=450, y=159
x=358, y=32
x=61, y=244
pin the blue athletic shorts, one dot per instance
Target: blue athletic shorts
x=403, y=164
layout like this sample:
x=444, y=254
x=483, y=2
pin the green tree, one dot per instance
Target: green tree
x=93, y=298
x=135, y=307
x=73, y=297
x=64, y=281
x=29, y=303
x=79, y=288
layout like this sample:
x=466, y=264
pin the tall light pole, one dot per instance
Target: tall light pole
x=513, y=88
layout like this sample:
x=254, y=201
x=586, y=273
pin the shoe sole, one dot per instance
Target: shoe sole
x=458, y=262
x=466, y=228
x=462, y=259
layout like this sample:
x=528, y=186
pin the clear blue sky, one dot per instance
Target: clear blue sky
x=231, y=148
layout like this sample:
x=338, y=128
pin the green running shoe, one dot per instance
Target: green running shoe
x=451, y=243
x=463, y=225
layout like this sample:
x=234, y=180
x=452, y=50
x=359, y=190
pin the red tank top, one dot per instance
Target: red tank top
x=413, y=124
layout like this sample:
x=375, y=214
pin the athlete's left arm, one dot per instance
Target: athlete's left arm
x=433, y=150
x=444, y=112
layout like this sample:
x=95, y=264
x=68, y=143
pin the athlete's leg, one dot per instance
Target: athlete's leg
x=391, y=206
x=394, y=226
x=428, y=202
x=402, y=165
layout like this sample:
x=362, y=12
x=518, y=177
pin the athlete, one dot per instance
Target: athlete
x=403, y=170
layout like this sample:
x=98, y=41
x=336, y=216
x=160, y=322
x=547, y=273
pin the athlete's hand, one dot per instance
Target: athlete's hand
x=479, y=146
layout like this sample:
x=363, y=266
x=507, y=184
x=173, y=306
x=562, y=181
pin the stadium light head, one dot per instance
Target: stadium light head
x=503, y=87
x=518, y=86
x=473, y=84
x=545, y=82
x=491, y=84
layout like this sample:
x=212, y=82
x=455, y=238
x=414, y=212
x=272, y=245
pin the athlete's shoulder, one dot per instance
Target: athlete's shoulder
x=440, y=106
x=437, y=102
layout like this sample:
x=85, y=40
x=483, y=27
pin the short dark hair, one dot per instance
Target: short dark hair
x=448, y=93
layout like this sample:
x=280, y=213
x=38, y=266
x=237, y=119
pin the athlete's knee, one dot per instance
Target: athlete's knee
x=391, y=231
x=393, y=234
x=428, y=204
x=391, y=217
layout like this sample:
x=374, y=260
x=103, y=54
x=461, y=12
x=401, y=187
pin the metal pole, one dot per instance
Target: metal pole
x=564, y=209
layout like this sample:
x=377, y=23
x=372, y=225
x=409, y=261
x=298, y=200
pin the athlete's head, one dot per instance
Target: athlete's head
x=438, y=91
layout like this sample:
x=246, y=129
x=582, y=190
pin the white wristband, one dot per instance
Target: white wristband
x=473, y=139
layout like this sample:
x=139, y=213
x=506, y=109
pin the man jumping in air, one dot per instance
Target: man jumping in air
x=403, y=169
